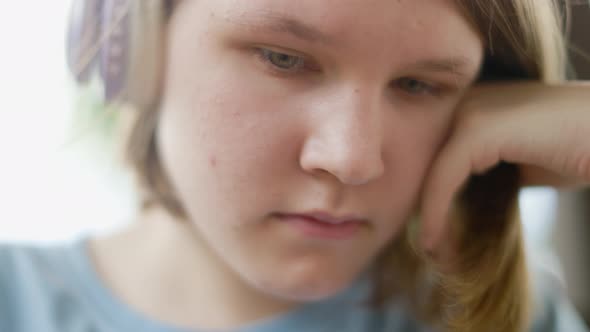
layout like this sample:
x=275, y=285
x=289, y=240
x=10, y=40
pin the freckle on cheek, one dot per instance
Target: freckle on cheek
x=213, y=161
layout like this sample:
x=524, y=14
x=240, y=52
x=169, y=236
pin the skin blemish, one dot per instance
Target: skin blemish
x=213, y=161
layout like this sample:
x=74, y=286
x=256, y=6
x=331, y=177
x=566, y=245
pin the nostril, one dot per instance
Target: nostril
x=351, y=164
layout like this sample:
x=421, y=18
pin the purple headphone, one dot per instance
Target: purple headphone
x=98, y=35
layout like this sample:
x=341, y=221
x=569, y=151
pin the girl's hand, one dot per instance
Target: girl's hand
x=544, y=129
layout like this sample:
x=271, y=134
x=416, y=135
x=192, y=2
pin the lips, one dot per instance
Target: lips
x=320, y=224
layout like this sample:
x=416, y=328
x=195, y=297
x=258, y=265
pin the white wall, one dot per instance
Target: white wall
x=51, y=187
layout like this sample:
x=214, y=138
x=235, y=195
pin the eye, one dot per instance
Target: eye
x=282, y=61
x=416, y=87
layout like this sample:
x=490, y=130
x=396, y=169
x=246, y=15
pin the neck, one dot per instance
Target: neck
x=182, y=281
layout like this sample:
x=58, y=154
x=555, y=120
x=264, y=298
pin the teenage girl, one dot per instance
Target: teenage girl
x=318, y=165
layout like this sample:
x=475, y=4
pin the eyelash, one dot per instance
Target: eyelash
x=424, y=88
x=266, y=56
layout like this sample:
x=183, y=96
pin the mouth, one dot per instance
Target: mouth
x=323, y=225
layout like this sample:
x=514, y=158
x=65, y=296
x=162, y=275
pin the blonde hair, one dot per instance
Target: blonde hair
x=487, y=289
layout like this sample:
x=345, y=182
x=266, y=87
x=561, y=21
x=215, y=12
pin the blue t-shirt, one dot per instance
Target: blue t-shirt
x=57, y=289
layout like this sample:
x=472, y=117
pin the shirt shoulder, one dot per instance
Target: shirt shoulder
x=36, y=291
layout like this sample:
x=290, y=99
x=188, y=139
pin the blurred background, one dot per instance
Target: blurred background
x=58, y=179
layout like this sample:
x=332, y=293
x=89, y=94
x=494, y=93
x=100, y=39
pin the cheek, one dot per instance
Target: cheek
x=412, y=146
x=423, y=147
x=418, y=134
x=223, y=107
x=218, y=132
x=226, y=138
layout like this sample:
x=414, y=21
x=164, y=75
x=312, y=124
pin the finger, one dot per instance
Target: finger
x=537, y=176
x=465, y=155
x=448, y=173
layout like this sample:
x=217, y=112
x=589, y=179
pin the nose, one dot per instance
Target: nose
x=346, y=139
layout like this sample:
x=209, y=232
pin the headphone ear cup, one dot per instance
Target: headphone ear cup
x=114, y=48
x=146, y=52
x=125, y=39
x=83, y=36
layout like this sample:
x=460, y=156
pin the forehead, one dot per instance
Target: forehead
x=338, y=15
x=411, y=26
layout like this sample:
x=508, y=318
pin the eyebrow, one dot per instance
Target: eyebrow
x=454, y=65
x=282, y=23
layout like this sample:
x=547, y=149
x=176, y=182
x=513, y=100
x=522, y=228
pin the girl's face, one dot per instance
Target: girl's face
x=276, y=107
